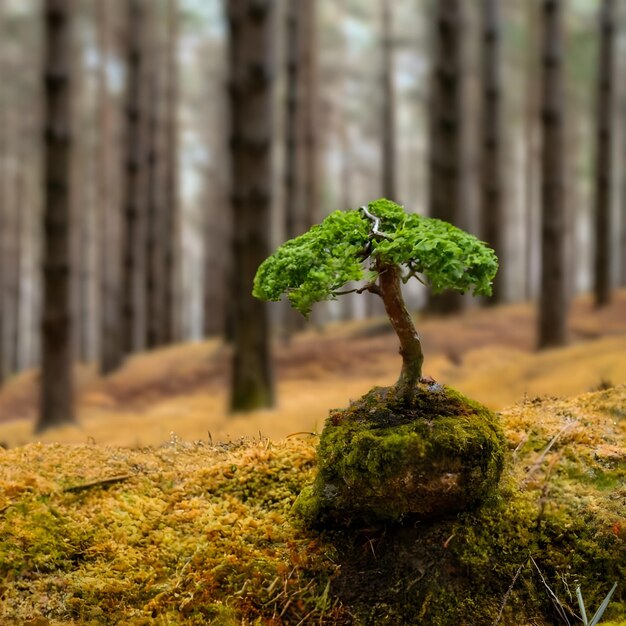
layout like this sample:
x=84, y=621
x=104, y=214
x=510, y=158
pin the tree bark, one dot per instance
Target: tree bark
x=388, y=113
x=446, y=132
x=155, y=224
x=109, y=215
x=171, y=228
x=310, y=111
x=410, y=345
x=133, y=260
x=604, y=156
x=251, y=70
x=57, y=389
x=553, y=303
x=296, y=218
x=3, y=235
x=491, y=162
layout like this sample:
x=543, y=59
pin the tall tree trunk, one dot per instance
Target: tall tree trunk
x=81, y=206
x=296, y=218
x=532, y=158
x=109, y=215
x=18, y=248
x=171, y=229
x=493, y=221
x=133, y=260
x=251, y=67
x=604, y=156
x=446, y=133
x=310, y=111
x=553, y=303
x=388, y=94
x=154, y=191
x=622, y=205
x=57, y=389
x=3, y=234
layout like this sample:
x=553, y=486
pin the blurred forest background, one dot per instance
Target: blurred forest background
x=154, y=152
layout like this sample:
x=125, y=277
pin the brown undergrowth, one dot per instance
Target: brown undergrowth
x=487, y=354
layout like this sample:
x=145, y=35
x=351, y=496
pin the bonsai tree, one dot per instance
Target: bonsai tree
x=408, y=450
x=384, y=246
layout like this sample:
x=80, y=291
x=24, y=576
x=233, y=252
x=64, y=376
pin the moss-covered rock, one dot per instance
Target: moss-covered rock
x=381, y=460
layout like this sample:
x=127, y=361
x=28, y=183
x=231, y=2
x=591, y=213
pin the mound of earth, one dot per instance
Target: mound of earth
x=384, y=460
x=192, y=533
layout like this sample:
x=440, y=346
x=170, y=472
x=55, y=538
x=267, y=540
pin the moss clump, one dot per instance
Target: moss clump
x=381, y=460
x=196, y=535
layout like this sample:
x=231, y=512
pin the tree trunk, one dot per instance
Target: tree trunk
x=310, y=111
x=553, y=303
x=446, y=133
x=604, y=156
x=491, y=162
x=171, y=228
x=3, y=236
x=57, y=406
x=251, y=69
x=296, y=219
x=109, y=215
x=532, y=158
x=622, y=204
x=155, y=231
x=410, y=345
x=133, y=248
x=388, y=94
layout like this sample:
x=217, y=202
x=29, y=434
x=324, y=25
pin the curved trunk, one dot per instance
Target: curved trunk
x=410, y=345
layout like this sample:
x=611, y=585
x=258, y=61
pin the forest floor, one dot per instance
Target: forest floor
x=181, y=391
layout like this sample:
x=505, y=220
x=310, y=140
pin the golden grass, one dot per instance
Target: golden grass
x=485, y=353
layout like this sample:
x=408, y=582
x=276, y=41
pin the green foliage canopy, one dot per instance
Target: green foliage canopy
x=317, y=264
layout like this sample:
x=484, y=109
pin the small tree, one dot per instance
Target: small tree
x=385, y=246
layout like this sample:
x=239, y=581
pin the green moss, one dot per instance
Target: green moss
x=204, y=535
x=380, y=461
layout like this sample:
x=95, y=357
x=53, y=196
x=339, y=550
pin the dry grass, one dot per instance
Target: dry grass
x=485, y=353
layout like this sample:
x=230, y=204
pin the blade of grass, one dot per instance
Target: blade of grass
x=600, y=612
x=581, y=606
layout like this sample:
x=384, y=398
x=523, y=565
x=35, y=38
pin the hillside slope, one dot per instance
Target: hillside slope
x=486, y=353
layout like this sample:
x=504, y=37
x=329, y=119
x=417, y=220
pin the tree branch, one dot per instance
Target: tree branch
x=371, y=287
x=376, y=224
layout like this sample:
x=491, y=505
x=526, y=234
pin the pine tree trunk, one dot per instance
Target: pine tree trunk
x=133, y=247
x=251, y=70
x=604, y=156
x=553, y=303
x=155, y=232
x=109, y=215
x=310, y=111
x=3, y=237
x=388, y=93
x=532, y=152
x=296, y=218
x=491, y=162
x=171, y=228
x=622, y=204
x=295, y=221
x=446, y=133
x=18, y=252
x=57, y=389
